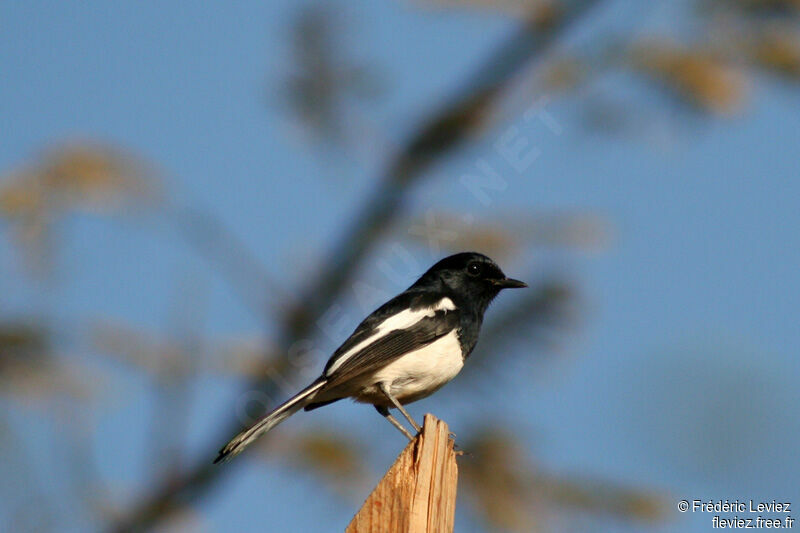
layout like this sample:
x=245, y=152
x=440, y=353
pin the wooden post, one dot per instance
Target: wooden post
x=418, y=493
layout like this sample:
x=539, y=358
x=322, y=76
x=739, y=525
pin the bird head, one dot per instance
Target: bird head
x=469, y=275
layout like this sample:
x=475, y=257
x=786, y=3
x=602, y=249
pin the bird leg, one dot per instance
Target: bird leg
x=385, y=391
x=385, y=412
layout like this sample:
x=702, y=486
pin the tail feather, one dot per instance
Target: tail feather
x=269, y=421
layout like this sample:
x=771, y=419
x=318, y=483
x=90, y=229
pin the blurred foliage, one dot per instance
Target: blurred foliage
x=77, y=176
x=777, y=50
x=695, y=76
x=512, y=494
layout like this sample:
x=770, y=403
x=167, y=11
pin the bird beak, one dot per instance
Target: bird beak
x=508, y=283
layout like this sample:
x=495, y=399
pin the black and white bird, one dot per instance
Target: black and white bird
x=405, y=350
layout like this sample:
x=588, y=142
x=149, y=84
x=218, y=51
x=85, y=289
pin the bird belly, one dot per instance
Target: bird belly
x=416, y=374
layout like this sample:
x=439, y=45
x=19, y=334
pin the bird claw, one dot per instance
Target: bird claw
x=456, y=448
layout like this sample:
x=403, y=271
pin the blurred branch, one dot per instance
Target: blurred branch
x=173, y=384
x=437, y=137
x=513, y=494
x=759, y=8
x=23, y=343
x=325, y=77
x=233, y=260
x=92, y=176
x=30, y=370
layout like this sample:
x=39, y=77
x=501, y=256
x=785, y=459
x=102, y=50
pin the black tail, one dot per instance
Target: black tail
x=281, y=413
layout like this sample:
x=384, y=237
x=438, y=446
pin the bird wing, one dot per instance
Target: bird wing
x=401, y=311
x=374, y=355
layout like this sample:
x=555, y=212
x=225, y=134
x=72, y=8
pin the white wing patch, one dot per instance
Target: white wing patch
x=402, y=320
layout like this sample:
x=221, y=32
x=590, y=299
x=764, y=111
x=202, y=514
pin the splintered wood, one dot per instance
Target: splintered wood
x=418, y=493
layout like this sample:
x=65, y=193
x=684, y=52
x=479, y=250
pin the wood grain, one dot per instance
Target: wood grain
x=418, y=493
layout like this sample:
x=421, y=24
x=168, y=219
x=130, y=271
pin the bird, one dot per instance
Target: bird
x=405, y=350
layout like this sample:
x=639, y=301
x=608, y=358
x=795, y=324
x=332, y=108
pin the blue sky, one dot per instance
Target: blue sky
x=699, y=285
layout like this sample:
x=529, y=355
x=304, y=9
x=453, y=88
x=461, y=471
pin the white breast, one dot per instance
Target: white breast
x=422, y=372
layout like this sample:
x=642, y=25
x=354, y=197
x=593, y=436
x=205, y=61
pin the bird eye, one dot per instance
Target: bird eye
x=474, y=269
